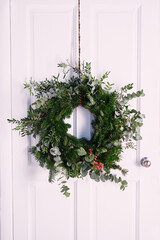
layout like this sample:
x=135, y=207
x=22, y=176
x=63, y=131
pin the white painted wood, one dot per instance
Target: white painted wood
x=118, y=36
x=42, y=26
x=6, y=207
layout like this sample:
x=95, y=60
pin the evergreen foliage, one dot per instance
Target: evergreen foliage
x=115, y=126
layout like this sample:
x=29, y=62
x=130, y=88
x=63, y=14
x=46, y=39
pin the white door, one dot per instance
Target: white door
x=121, y=36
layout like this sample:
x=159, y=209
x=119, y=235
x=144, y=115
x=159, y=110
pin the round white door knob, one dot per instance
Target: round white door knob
x=145, y=162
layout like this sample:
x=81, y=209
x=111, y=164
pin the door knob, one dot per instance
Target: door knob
x=145, y=162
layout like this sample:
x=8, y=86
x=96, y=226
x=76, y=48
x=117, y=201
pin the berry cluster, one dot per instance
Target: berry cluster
x=90, y=151
x=97, y=166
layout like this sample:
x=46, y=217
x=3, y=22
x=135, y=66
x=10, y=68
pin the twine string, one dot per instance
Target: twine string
x=79, y=49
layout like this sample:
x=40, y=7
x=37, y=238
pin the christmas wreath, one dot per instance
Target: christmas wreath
x=115, y=126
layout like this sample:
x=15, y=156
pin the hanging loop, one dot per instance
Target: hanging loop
x=79, y=48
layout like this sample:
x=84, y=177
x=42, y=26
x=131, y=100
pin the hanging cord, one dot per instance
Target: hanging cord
x=79, y=49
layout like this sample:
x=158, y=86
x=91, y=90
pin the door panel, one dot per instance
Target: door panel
x=42, y=37
x=118, y=36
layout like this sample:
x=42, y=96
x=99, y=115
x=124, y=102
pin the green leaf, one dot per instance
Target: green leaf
x=94, y=176
x=101, y=112
x=67, y=194
x=69, y=163
x=127, y=87
x=116, y=179
x=92, y=102
x=73, y=166
x=124, y=182
x=138, y=137
x=111, y=177
x=84, y=166
x=81, y=151
x=63, y=182
x=89, y=158
x=62, y=65
x=106, y=176
x=83, y=172
x=119, y=179
x=57, y=159
x=102, y=178
x=124, y=171
x=65, y=141
x=102, y=150
x=52, y=151
x=55, y=151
